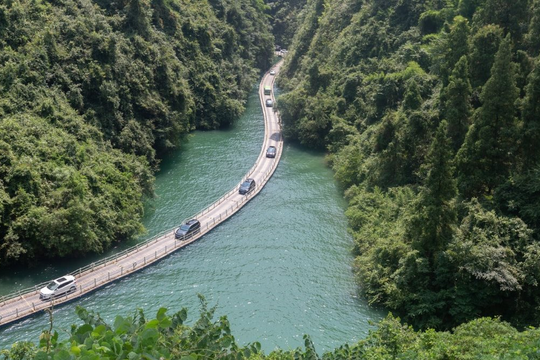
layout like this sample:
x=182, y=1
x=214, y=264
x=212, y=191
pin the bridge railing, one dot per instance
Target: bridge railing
x=253, y=168
x=124, y=253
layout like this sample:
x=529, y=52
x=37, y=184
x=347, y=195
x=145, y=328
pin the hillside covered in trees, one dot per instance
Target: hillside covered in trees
x=430, y=112
x=93, y=93
x=285, y=17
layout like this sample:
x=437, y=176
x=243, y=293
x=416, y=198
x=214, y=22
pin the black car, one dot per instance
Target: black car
x=191, y=227
x=247, y=186
x=269, y=103
x=271, y=152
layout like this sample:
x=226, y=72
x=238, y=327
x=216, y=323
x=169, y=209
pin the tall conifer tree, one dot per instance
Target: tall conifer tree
x=432, y=225
x=412, y=100
x=531, y=119
x=485, y=44
x=456, y=46
x=511, y=15
x=532, y=38
x=457, y=105
x=486, y=157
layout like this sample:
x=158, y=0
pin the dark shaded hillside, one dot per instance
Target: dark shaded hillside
x=285, y=17
x=93, y=93
x=430, y=112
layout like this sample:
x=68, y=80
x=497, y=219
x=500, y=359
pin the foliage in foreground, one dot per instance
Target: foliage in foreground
x=430, y=112
x=168, y=337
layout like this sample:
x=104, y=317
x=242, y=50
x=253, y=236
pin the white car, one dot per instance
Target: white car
x=272, y=72
x=60, y=286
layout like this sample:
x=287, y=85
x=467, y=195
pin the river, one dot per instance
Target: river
x=279, y=268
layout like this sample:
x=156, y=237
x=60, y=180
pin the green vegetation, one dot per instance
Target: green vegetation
x=93, y=93
x=168, y=337
x=430, y=113
x=285, y=17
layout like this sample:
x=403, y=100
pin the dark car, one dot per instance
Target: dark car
x=191, y=227
x=271, y=152
x=247, y=186
x=269, y=103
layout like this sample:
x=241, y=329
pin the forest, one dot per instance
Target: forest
x=94, y=93
x=429, y=111
x=430, y=114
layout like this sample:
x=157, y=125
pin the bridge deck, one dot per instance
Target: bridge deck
x=17, y=306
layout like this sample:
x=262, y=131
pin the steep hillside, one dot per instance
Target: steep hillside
x=285, y=16
x=430, y=112
x=93, y=93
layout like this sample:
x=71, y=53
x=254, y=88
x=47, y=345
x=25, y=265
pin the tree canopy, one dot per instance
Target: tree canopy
x=93, y=93
x=445, y=222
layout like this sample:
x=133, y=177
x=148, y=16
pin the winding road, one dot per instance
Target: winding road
x=16, y=306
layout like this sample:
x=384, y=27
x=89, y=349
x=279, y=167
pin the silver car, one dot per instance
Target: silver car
x=60, y=286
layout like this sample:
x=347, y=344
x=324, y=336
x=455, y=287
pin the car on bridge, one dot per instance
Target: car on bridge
x=272, y=72
x=193, y=226
x=269, y=103
x=271, y=152
x=60, y=286
x=247, y=186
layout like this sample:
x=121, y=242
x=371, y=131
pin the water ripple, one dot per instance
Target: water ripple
x=280, y=268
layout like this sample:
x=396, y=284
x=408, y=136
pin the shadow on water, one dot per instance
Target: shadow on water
x=275, y=137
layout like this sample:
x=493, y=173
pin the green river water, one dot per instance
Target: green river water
x=279, y=268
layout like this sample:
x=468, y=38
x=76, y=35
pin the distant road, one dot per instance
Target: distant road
x=17, y=306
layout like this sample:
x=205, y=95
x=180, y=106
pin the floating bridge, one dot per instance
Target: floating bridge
x=25, y=303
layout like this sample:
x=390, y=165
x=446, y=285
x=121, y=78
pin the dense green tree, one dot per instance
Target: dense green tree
x=485, y=44
x=487, y=155
x=457, y=108
x=512, y=16
x=432, y=225
x=418, y=289
x=455, y=46
x=531, y=120
x=413, y=98
x=496, y=263
x=532, y=38
x=138, y=17
x=467, y=8
x=518, y=197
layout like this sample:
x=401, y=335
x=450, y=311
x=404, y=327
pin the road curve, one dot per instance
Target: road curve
x=16, y=306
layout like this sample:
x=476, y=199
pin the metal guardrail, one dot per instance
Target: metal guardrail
x=97, y=282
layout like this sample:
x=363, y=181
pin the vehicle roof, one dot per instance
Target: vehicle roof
x=192, y=221
x=65, y=278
